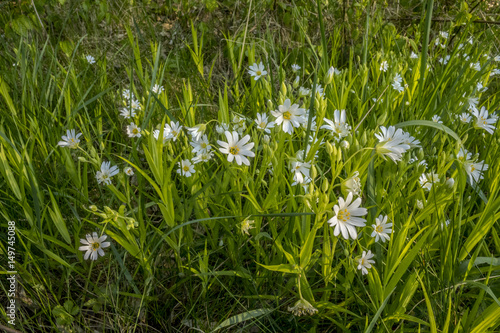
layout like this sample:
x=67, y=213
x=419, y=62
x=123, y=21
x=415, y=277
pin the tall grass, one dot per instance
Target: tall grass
x=243, y=248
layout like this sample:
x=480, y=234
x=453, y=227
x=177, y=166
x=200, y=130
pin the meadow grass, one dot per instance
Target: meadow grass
x=323, y=168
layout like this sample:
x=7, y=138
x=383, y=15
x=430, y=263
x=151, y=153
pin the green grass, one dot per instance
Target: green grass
x=239, y=248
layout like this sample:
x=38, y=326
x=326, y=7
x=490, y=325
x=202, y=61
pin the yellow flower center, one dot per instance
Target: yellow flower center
x=258, y=73
x=262, y=125
x=287, y=115
x=472, y=168
x=72, y=140
x=135, y=131
x=95, y=246
x=344, y=215
x=234, y=150
x=185, y=168
x=203, y=145
x=379, y=228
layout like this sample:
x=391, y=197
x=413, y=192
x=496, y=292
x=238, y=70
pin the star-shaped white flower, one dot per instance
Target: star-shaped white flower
x=289, y=116
x=107, y=171
x=381, y=229
x=257, y=71
x=364, y=263
x=70, y=140
x=93, y=244
x=237, y=149
x=347, y=218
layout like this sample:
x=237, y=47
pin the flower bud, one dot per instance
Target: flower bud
x=450, y=182
x=344, y=144
x=296, y=82
x=329, y=76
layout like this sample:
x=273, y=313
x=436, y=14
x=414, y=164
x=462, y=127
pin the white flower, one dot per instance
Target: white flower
x=420, y=204
x=157, y=89
x=384, y=66
x=450, y=182
x=475, y=65
x=482, y=120
x=319, y=91
x=295, y=68
x=133, y=131
x=201, y=146
x=396, y=83
x=90, y=59
x=247, y=225
x=289, y=115
x=391, y=143
x=186, y=168
x=263, y=123
x=497, y=58
x=427, y=180
x=495, y=71
x=410, y=140
x=128, y=171
x=463, y=155
x=437, y=119
x=156, y=134
x=94, y=246
x=413, y=55
x=381, y=229
x=107, y=171
x=203, y=157
x=472, y=101
x=345, y=144
x=127, y=94
x=338, y=127
x=127, y=113
x=70, y=140
x=443, y=34
x=235, y=149
x=364, y=263
x=304, y=92
x=306, y=121
x=465, y=118
x=173, y=130
x=197, y=131
x=257, y=71
x=346, y=217
x=134, y=104
x=475, y=171
x=480, y=87
x=300, y=170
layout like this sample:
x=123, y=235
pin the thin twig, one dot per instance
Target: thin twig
x=8, y=329
x=366, y=115
x=38, y=16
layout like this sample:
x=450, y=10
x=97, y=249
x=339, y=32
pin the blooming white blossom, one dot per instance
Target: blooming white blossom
x=128, y=171
x=127, y=94
x=295, y=68
x=437, y=119
x=396, y=83
x=289, y=115
x=107, y=171
x=444, y=60
x=384, y=66
x=301, y=171
x=186, y=168
x=173, y=130
x=157, y=89
x=338, y=127
x=347, y=218
x=257, y=71
x=90, y=59
x=475, y=170
x=127, y=113
x=391, y=143
x=410, y=140
x=413, y=55
x=482, y=121
x=201, y=146
x=263, y=123
x=381, y=229
x=463, y=155
x=134, y=104
x=133, y=131
x=94, y=245
x=239, y=124
x=495, y=71
x=480, y=88
x=426, y=180
x=70, y=140
x=364, y=263
x=465, y=118
x=237, y=149
x=472, y=101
